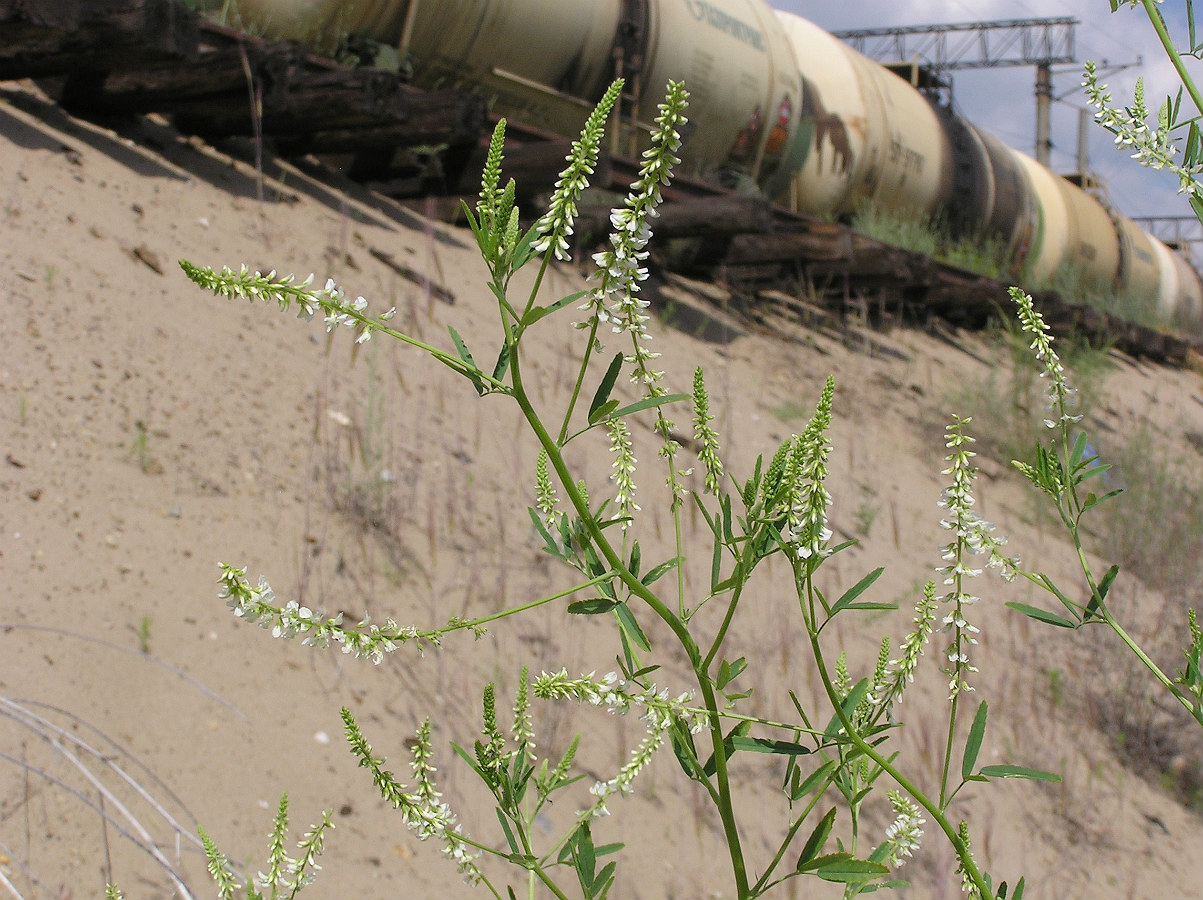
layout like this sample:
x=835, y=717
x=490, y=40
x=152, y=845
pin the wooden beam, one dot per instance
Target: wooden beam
x=55, y=37
x=419, y=118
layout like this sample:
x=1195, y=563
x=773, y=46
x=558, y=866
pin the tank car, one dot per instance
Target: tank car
x=778, y=106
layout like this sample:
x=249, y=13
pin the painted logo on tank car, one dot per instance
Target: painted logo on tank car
x=906, y=158
x=727, y=23
x=827, y=127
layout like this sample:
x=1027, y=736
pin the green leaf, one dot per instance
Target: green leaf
x=813, y=780
x=856, y=590
x=728, y=672
x=655, y=573
x=829, y=859
x=852, y=701
x=1092, y=500
x=850, y=871
x=1192, y=142
x=631, y=628
x=603, y=411
x=538, y=312
x=1079, y=448
x=739, y=730
x=503, y=363
x=603, y=390
x=648, y=403
x=814, y=843
x=1095, y=471
x=594, y=607
x=891, y=885
x=884, y=604
x=636, y=559
x=462, y=349
x=509, y=835
x=1056, y=592
x=550, y=545
x=686, y=753
x=840, y=547
x=1196, y=204
x=586, y=862
x=471, y=761
x=474, y=225
x=1042, y=615
x=849, y=706
x=973, y=743
x=523, y=252
x=705, y=514
x=764, y=745
x=716, y=565
x=601, y=884
x=1103, y=588
x=596, y=568
x=725, y=585
x=1018, y=772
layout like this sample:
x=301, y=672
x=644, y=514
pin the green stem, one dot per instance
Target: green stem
x=551, y=885
x=636, y=587
x=901, y=780
x=1102, y=611
x=1172, y=52
x=580, y=380
x=1149, y=664
x=762, y=885
x=727, y=619
x=952, y=723
x=534, y=291
x=492, y=617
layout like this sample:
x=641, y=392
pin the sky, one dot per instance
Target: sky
x=1003, y=101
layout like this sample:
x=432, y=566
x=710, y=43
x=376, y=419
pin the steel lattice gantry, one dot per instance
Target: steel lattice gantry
x=970, y=45
x=979, y=45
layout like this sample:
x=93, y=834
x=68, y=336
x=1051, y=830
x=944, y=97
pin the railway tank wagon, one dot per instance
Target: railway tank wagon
x=778, y=107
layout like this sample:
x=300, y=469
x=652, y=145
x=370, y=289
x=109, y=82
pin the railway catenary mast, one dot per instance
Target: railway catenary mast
x=778, y=106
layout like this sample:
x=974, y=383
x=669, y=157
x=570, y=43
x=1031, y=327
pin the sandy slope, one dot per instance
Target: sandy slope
x=150, y=431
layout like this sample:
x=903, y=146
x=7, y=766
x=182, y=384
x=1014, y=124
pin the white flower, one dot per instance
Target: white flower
x=904, y=833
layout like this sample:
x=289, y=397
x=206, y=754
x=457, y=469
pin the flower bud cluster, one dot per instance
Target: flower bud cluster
x=423, y=812
x=659, y=712
x=972, y=535
x=901, y=671
x=904, y=833
x=624, y=469
x=1060, y=394
x=328, y=300
x=612, y=691
x=805, y=496
x=1152, y=148
x=706, y=436
x=557, y=223
x=620, y=269
x=365, y=640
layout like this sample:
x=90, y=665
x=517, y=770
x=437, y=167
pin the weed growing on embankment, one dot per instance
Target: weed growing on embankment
x=839, y=768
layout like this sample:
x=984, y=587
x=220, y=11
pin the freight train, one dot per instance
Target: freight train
x=778, y=106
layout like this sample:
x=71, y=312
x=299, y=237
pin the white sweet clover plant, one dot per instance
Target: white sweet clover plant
x=1155, y=147
x=782, y=508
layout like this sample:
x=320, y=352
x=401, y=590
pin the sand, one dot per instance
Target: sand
x=150, y=431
